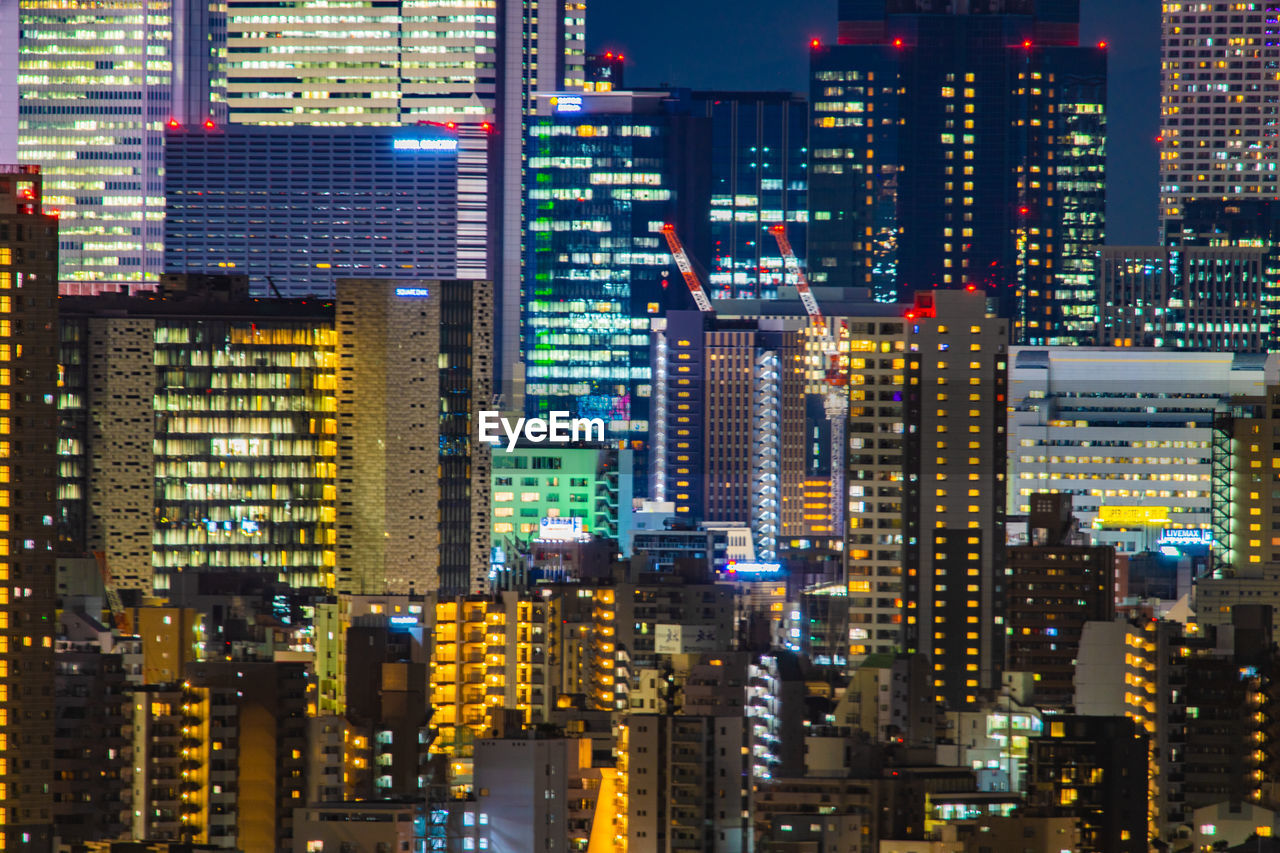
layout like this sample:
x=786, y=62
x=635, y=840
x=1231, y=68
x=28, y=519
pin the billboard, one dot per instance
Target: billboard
x=684, y=639
x=561, y=529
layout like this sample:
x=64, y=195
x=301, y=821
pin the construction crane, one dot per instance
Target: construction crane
x=686, y=269
x=835, y=401
x=119, y=615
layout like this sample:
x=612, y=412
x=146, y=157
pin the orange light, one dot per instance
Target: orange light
x=451, y=125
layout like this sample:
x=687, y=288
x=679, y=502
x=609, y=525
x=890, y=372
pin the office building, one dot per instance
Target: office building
x=1127, y=433
x=1196, y=298
x=955, y=145
x=28, y=484
x=360, y=825
x=296, y=208
x=1218, y=89
x=412, y=480
x=583, y=486
x=1057, y=583
x=470, y=66
x=729, y=434
x=759, y=178
x=199, y=435
x=606, y=171
x=954, y=457
x=97, y=125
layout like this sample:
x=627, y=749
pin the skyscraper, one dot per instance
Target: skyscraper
x=480, y=66
x=28, y=471
x=954, y=495
x=95, y=120
x=759, y=177
x=956, y=145
x=296, y=208
x=606, y=171
x=1219, y=104
x=415, y=364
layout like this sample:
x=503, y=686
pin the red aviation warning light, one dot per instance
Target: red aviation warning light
x=897, y=42
x=208, y=124
x=173, y=122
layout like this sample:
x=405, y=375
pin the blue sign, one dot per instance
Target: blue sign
x=412, y=292
x=425, y=144
x=567, y=103
x=1185, y=536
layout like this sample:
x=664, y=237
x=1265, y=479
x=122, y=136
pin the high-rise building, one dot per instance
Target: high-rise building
x=1220, y=104
x=28, y=487
x=415, y=366
x=955, y=144
x=97, y=124
x=759, y=178
x=1126, y=432
x=296, y=208
x=199, y=435
x=480, y=67
x=1057, y=582
x=606, y=171
x=953, y=472
x=1192, y=297
x=729, y=433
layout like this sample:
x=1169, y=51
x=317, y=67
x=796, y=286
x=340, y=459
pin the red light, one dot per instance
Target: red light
x=609, y=55
x=173, y=122
x=1102, y=44
x=1027, y=44
x=208, y=125
x=1160, y=138
x=911, y=315
x=450, y=125
x=1024, y=210
x=815, y=43
x=486, y=127
x=971, y=287
x=897, y=42
x=621, y=57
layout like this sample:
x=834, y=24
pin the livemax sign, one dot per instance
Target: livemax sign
x=556, y=428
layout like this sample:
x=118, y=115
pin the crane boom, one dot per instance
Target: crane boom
x=807, y=298
x=686, y=269
x=835, y=402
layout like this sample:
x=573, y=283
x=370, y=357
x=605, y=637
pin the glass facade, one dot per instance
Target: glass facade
x=295, y=208
x=531, y=484
x=984, y=132
x=597, y=269
x=759, y=163
x=97, y=85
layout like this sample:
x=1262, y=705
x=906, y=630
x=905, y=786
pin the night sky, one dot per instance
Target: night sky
x=763, y=44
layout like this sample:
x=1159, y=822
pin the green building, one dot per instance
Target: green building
x=578, y=486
